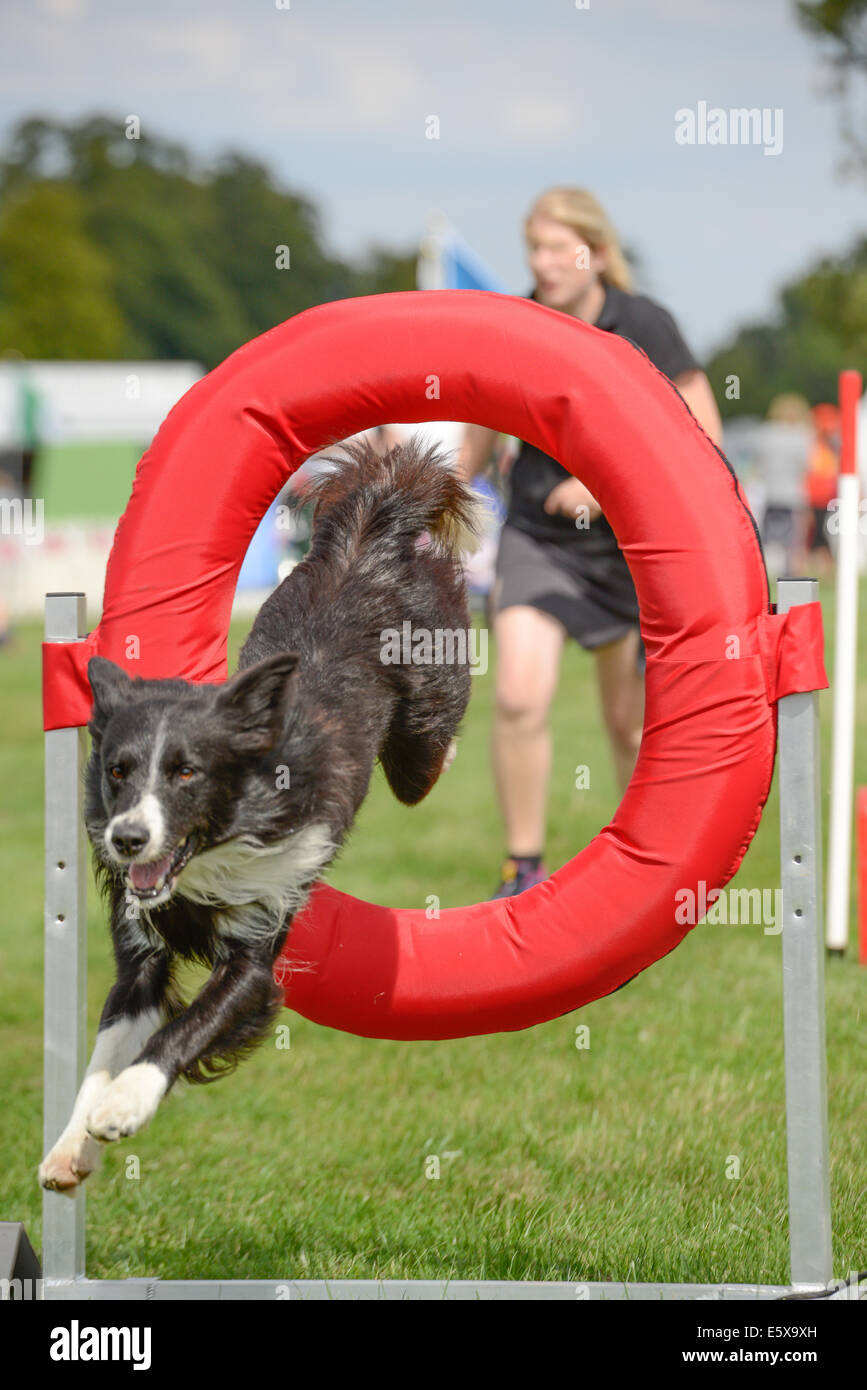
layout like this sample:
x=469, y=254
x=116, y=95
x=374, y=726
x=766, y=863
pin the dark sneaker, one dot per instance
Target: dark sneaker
x=514, y=881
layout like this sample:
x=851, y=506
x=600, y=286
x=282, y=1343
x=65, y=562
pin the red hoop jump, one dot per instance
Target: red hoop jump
x=717, y=659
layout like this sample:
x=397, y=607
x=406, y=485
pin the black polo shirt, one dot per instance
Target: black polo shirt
x=534, y=474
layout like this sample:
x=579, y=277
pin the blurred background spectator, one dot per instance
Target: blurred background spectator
x=781, y=451
x=821, y=486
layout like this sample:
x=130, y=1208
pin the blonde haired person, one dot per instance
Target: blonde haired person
x=555, y=580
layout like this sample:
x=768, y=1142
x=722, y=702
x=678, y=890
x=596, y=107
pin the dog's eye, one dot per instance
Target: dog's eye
x=186, y=772
x=116, y=773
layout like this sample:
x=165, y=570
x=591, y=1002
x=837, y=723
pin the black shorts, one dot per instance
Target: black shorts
x=592, y=596
x=779, y=526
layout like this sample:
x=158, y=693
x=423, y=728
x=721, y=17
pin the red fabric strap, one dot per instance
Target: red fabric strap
x=66, y=697
x=792, y=645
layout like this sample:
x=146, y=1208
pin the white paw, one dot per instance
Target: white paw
x=451, y=754
x=128, y=1102
x=65, y=1168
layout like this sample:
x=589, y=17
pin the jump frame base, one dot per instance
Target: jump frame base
x=399, y=1290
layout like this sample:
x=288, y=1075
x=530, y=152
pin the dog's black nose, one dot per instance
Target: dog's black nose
x=130, y=838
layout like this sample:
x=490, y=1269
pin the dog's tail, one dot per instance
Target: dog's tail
x=383, y=503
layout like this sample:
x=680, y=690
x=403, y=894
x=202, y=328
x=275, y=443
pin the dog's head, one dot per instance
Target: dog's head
x=171, y=763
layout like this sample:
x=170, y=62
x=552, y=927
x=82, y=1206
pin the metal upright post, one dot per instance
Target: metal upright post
x=65, y=1024
x=803, y=972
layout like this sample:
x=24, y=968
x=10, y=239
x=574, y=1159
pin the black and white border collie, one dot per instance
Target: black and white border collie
x=212, y=810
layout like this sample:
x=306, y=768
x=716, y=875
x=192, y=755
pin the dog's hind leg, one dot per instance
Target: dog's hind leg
x=413, y=764
x=421, y=742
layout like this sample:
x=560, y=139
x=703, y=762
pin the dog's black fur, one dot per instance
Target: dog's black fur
x=188, y=786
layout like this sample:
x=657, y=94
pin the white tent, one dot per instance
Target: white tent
x=91, y=401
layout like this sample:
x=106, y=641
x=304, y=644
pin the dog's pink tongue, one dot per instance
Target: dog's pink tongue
x=144, y=876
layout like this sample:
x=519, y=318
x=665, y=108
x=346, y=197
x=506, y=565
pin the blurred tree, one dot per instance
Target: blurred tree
x=251, y=220
x=55, y=284
x=841, y=27
x=193, y=255
x=820, y=327
x=385, y=268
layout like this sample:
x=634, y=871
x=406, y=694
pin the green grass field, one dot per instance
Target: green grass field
x=608, y=1162
x=86, y=481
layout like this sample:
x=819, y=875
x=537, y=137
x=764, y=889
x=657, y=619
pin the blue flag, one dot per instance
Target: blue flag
x=446, y=262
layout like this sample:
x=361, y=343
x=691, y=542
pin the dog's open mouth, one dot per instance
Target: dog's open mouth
x=157, y=879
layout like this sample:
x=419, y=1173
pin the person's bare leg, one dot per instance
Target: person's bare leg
x=529, y=646
x=621, y=688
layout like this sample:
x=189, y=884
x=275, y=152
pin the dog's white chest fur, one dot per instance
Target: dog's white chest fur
x=253, y=888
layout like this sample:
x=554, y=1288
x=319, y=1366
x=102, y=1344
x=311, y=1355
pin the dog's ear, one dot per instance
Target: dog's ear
x=110, y=685
x=254, y=702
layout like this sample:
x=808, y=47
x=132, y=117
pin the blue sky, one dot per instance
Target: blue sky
x=334, y=95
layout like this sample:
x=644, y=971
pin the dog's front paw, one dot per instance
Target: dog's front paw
x=127, y=1104
x=450, y=755
x=71, y=1160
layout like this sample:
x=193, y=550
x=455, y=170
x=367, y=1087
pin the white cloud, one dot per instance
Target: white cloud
x=64, y=10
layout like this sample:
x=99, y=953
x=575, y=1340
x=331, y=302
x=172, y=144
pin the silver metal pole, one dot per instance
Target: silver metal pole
x=804, y=972
x=65, y=1024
